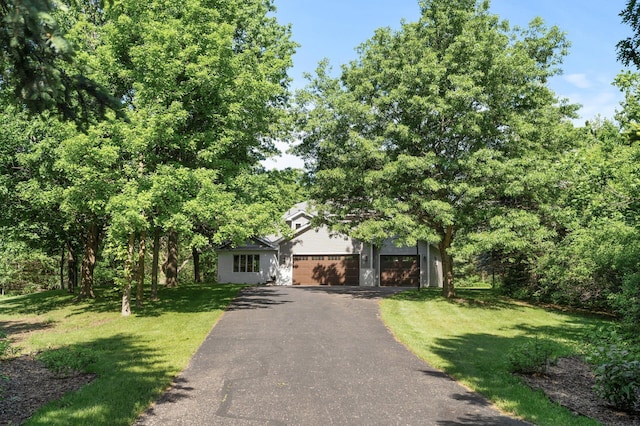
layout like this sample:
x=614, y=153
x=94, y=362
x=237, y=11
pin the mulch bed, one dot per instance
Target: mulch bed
x=26, y=385
x=570, y=383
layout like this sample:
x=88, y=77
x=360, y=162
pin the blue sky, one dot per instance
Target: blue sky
x=334, y=28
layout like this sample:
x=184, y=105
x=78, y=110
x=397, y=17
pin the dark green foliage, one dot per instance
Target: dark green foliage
x=23, y=270
x=64, y=361
x=618, y=376
x=627, y=49
x=533, y=356
x=5, y=345
x=37, y=61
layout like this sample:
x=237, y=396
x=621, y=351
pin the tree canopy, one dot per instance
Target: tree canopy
x=412, y=138
x=205, y=87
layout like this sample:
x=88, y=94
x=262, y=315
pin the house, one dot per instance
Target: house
x=318, y=256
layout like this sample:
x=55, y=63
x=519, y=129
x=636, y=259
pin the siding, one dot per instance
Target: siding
x=268, y=268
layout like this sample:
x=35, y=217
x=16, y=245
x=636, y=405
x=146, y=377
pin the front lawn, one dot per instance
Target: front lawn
x=469, y=339
x=135, y=358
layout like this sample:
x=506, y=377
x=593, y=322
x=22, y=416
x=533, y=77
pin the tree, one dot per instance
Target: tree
x=406, y=141
x=37, y=61
x=30, y=187
x=628, y=52
x=205, y=88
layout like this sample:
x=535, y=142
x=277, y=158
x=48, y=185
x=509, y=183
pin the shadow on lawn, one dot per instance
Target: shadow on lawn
x=185, y=298
x=469, y=298
x=130, y=376
x=11, y=328
x=37, y=303
x=482, y=359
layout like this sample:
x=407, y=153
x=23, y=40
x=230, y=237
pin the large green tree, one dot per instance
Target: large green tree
x=410, y=139
x=205, y=88
x=207, y=84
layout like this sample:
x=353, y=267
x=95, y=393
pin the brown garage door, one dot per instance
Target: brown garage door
x=326, y=270
x=399, y=271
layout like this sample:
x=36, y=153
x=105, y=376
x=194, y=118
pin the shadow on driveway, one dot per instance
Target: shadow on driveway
x=257, y=298
x=357, y=292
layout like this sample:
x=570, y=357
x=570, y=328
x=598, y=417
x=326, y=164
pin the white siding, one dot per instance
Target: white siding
x=268, y=268
x=315, y=242
x=320, y=241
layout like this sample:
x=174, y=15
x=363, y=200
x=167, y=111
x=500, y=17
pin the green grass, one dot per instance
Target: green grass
x=470, y=338
x=135, y=357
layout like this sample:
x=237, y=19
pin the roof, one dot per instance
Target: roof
x=255, y=243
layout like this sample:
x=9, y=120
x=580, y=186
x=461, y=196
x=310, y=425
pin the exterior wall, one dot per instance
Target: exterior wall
x=322, y=241
x=315, y=241
x=268, y=267
x=430, y=266
x=435, y=267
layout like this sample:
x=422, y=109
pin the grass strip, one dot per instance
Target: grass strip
x=135, y=357
x=469, y=339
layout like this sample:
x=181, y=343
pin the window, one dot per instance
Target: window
x=246, y=263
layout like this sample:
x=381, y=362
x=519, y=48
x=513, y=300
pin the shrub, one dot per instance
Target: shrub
x=24, y=271
x=618, y=377
x=64, y=361
x=5, y=345
x=532, y=356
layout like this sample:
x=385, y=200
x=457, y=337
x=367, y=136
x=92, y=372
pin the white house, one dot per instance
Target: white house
x=318, y=256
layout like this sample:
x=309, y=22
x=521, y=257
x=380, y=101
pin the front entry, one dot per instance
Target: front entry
x=399, y=271
x=326, y=270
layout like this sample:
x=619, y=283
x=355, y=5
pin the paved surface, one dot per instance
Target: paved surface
x=313, y=356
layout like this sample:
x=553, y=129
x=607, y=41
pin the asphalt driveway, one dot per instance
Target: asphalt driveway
x=313, y=356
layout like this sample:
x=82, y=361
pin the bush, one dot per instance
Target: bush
x=24, y=271
x=5, y=346
x=64, y=361
x=627, y=303
x=533, y=356
x=617, y=376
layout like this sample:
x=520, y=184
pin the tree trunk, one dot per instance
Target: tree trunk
x=448, y=288
x=197, y=276
x=72, y=268
x=142, y=251
x=128, y=276
x=62, y=260
x=154, y=264
x=89, y=262
x=171, y=264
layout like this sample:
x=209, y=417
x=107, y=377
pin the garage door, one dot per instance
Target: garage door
x=326, y=270
x=399, y=271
